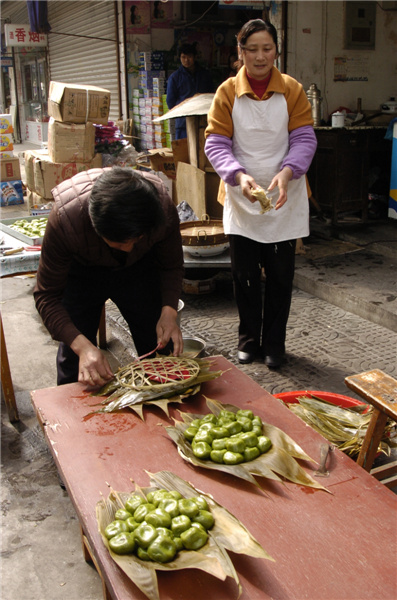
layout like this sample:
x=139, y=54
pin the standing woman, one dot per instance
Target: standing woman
x=260, y=134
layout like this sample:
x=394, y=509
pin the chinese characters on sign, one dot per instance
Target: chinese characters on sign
x=349, y=68
x=20, y=35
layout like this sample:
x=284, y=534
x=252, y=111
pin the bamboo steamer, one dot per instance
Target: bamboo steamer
x=204, y=238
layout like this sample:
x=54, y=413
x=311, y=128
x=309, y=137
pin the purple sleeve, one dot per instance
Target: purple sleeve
x=218, y=149
x=302, y=146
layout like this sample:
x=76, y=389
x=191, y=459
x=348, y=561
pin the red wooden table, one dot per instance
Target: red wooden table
x=327, y=546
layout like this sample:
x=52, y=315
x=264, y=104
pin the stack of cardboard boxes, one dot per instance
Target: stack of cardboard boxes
x=71, y=139
x=148, y=102
x=11, y=191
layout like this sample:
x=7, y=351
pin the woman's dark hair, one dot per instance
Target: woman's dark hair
x=124, y=205
x=254, y=26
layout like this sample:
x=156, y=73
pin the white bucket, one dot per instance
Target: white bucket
x=338, y=119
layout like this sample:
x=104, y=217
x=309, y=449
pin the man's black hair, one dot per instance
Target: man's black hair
x=187, y=49
x=124, y=205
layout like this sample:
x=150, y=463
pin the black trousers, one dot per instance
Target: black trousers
x=263, y=308
x=136, y=292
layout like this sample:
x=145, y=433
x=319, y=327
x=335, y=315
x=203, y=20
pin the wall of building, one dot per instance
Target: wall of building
x=316, y=37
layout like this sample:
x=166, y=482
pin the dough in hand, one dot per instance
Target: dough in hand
x=263, y=199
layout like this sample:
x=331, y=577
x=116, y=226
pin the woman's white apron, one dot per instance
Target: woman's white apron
x=260, y=144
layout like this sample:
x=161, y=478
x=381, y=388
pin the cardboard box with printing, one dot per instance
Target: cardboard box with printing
x=68, y=142
x=75, y=103
x=10, y=168
x=42, y=175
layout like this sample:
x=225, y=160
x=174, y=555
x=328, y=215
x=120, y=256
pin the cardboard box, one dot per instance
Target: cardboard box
x=75, y=103
x=10, y=169
x=42, y=175
x=6, y=142
x=6, y=124
x=11, y=193
x=162, y=160
x=68, y=142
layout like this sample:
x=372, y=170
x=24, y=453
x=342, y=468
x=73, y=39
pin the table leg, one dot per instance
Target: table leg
x=372, y=438
x=6, y=380
x=90, y=558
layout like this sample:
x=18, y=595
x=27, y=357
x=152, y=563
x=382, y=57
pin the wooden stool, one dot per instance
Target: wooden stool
x=379, y=390
x=6, y=379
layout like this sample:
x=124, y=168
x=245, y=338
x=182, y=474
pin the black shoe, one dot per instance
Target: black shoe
x=273, y=361
x=244, y=358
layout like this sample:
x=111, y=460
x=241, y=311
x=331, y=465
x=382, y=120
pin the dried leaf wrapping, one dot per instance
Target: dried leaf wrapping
x=344, y=427
x=278, y=463
x=228, y=533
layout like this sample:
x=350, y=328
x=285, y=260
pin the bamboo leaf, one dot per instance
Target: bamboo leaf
x=227, y=534
x=277, y=464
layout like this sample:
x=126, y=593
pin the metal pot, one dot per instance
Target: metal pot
x=314, y=97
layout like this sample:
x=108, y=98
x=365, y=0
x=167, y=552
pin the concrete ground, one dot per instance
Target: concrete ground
x=343, y=321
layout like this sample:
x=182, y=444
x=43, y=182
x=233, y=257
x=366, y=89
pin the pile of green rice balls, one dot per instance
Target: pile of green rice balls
x=229, y=438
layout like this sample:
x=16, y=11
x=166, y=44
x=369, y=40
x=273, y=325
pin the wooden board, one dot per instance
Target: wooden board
x=326, y=546
x=190, y=186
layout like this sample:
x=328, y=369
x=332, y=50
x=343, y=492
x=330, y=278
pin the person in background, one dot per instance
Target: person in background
x=260, y=134
x=188, y=80
x=114, y=234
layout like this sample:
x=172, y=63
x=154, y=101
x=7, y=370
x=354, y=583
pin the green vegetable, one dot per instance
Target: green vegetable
x=235, y=445
x=201, y=502
x=133, y=502
x=162, y=550
x=145, y=534
x=246, y=424
x=188, y=507
x=245, y=413
x=159, y=518
x=115, y=527
x=142, y=511
x=132, y=524
x=122, y=543
x=194, y=538
x=232, y=458
x=201, y=450
x=251, y=453
x=233, y=427
x=219, y=444
x=170, y=505
x=204, y=435
x=264, y=443
x=230, y=438
x=190, y=432
x=180, y=524
x=219, y=432
x=122, y=514
x=205, y=519
x=217, y=455
x=227, y=414
x=210, y=418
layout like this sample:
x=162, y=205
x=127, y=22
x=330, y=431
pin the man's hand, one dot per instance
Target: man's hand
x=94, y=369
x=167, y=329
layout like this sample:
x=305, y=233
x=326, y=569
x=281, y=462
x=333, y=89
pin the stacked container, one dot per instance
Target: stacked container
x=11, y=191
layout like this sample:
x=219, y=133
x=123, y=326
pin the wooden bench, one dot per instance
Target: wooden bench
x=379, y=390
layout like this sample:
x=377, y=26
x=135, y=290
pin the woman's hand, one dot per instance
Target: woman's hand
x=281, y=180
x=94, y=369
x=247, y=183
x=167, y=329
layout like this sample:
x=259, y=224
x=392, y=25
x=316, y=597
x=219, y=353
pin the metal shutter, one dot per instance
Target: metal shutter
x=91, y=60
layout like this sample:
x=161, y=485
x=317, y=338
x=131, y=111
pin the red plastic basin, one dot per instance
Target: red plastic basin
x=337, y=399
